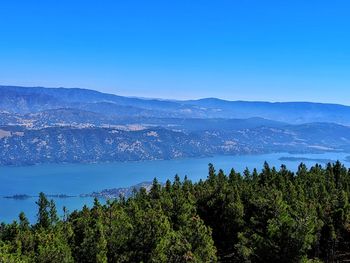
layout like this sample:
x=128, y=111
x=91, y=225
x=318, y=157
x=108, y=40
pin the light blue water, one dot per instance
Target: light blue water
x=75, y=179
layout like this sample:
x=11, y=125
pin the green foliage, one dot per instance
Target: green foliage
x=271, y=216
x=43, y=211
x=51, y=247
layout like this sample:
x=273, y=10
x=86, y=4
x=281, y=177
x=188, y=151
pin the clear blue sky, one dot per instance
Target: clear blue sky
x=250, y=50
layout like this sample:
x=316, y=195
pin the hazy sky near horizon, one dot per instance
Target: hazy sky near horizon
x=238, y=50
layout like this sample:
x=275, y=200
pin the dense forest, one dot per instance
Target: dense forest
x=270, y=216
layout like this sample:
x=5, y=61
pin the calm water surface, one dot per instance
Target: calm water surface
x=75, y=179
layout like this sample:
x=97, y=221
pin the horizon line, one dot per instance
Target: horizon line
x=179, y=100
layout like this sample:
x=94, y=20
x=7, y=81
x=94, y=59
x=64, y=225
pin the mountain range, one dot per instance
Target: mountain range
x=45, y=125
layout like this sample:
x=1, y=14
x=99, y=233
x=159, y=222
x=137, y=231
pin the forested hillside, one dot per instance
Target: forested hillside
x=20, y=146
x=58, y=125
x=271, y=216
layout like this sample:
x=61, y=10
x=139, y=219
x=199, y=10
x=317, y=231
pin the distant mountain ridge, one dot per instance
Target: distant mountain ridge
x=33, y=99
x=58, y=125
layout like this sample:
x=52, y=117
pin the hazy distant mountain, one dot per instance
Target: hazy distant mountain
x=82, y=118
x=291, y=112
x=32, y=99
x=40, y=125
x=29, y=100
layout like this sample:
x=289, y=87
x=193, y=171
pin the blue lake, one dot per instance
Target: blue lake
x=75, y=179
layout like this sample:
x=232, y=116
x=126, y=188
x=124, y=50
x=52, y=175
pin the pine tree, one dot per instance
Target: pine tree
x=43, y=212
